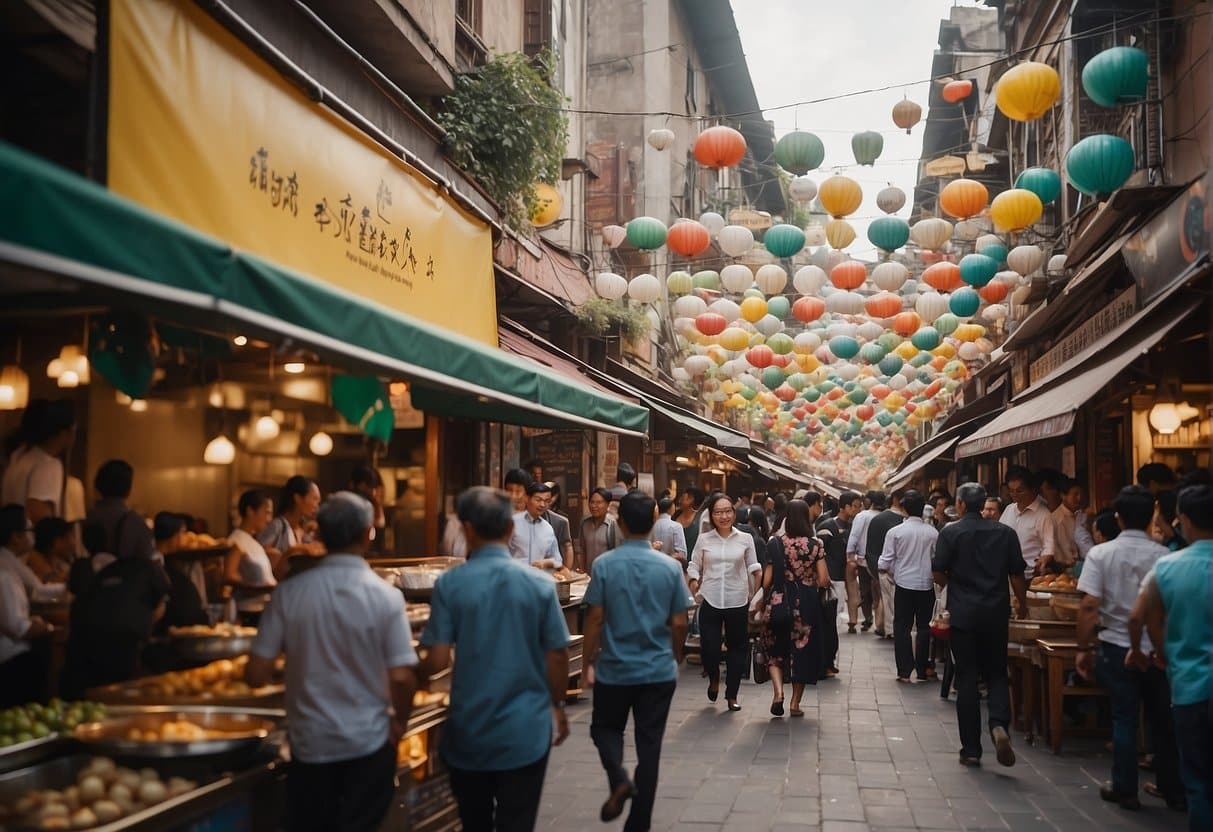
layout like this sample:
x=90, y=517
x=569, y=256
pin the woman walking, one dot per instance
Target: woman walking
x=724, y=572
x=791, y=614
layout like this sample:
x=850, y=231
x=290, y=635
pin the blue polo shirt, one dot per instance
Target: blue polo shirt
x=1185, y=582
x=638, y=589
x=501, y=616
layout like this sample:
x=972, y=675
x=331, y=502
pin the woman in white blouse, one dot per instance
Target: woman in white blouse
x=249, y=569
x=724, y=572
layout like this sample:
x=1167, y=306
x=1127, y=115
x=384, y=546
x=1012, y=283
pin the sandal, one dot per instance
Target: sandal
x=777, y=707
x=796, y=712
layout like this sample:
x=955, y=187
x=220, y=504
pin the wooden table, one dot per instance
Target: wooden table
x=1023, y=664
x=1058, y=658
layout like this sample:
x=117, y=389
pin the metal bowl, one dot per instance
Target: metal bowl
x=211, y=648
x=241, y=730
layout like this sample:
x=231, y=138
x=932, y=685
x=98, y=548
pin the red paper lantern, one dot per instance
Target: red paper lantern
x=849, y=274
x=994, y=292
x=943, y=277
x=760, y=356
x=689, y=239
x=782, y=361
x=865, y=412
x=956, y=91
x=906, y=324
x=784, y=393
x=879, y=391
x=709, y=323
x=719, y=147
x=808, y=309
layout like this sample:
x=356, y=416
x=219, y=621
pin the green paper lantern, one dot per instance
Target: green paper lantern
x=706, y=279
x=1119, y=75
x=748, y=393
x=921, y=360
x=888, y=233
x=946, y=323
x=1100, y=164
x=867, y=147
x=899, y=417
x=890, y=341
x=926, y=338
x=799, y=152
x=844, y=346
x=646, y=233
x=858, y=396
x=753, y=292
x=978, y=269
x=772, y=377
x=964, y=303
x=812, y=394
x=1043, y=182
x=872, y=352
x=783, y=240
x=364, y=402
x=781, y=343
x=779, y=306
x=891, y=364
x=679, y=283
x=884, y=418
x=797, y=381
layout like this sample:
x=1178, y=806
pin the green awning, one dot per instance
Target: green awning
x=53, y=220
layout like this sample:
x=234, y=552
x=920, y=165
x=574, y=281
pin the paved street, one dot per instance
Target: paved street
x=869, y=755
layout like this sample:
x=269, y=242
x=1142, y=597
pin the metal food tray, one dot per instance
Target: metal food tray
x=128, y=694
x=25, y=754
x=211, y=648
x=109, y=736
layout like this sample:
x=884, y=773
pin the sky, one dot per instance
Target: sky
x=809, y=49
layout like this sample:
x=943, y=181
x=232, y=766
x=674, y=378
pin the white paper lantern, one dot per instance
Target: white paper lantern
x=835, y=257
x=932, y=233
x=735, y=240
x=967, y=230
x=712, y=221
x=661, y=138
x=846, y=371
x=644, y=288
x=1010, y=278
x=1057, y=264
x=870, y=331
x=697, y=365
x=806, y=342
x=890, y=275
x=987, y=240
x=994, y=312
x=1022, y=294
x=686, y=326
x=891, y=199
x=802, y=189
x=910, y=287
x=897, y=381
x=614, y=235
x=726, y=309
x=969, y=351
x=610, y=285
x=845, y=303
x=931, y=305
x=1025, y=260
x=808, y=280
x=768, y=325
x=771, y=279
x=689, y=306
x=736, y=277
x=814, y=235
x=681, y=376
x=842, y=329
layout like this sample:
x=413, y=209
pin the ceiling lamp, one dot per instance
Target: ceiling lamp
x=240, y=340
x=14, y=388
x=69, y=379
x=266, y=428
x=321, y=444
x=294, y=367
x=219, y=451
x=138, y=405
x=71, y=358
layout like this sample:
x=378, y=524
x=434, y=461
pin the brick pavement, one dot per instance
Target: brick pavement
x=870, y=754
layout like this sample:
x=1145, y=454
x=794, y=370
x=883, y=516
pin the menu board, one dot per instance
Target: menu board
x=562, y=453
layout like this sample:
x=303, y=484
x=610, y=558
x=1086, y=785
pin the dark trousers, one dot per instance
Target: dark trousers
x=912, y=607
x=1130, y=690
x=865, y=592
x=505, y=801
x=733, y=622
x=347, y=795
x=829, y=635
x=1194, y=732
x=650, y=706
x=981, y=652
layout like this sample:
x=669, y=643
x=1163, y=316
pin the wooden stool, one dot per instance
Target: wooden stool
x=1058, y=658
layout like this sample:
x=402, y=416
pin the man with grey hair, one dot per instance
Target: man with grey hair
x=508, y=687
x=974, y=557
x=350, y=675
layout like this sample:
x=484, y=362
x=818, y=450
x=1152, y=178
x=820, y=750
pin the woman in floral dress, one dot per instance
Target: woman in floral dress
x=791, y=612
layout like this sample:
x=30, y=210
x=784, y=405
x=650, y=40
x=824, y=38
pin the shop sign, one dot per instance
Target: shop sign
x=1023, y=434
x=751, y=219
x=1163, y=250
x=1122, y=307
x=944, y=166
x=202, y=130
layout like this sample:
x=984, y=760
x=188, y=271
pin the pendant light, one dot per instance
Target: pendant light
x=1164, y=415
x=14, y=385
x=219, y=451
x=266, y=428
x=321, y=444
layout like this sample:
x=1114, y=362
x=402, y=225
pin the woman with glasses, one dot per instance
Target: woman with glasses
x=723, y=572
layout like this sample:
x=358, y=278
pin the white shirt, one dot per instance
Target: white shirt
x=534, y=540
x=255, y=568
x=454, y=543
x=33, y=474
x=723, y=566
x=907, y=553
x=1068, y=526
x=1035, y=528
x=14, y=564
x=1113, y=573
x=857, y=541
x=14, y=616
x=671, y=535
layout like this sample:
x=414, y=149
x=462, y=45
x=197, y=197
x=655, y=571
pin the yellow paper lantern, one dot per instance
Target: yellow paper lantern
x=807, y=363
x=1027, y=91
x=968, y=332
x=945, y=349
x=735, y=338
x=547, y=205
x=906, y=350
x=840, y=196
x=1016, y=209
x=735, y=400
x=893, y=402
x=839, y=233
x=753, y=309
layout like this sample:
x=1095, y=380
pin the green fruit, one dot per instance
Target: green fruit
x=40, y=729
x=6, y=739
x=22, y=723
x=24, y=736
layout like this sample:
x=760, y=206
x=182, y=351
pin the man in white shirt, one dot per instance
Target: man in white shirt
x=1070, y=525
x=22, y=672
x=869, y=601
x=1030, y=518
x=906, y=556
x=34, y=476
x=534, y=539
x=1111, y=578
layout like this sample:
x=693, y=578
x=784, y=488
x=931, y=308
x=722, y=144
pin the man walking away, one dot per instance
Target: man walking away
x=1110, y=581
x=669, y=538
x=974, y=557
x=857, y=540
x=634, y=633
x=509, y=685
x=1176, y=604
x=349, y=676
x=878, y=529
x=833, y=534
x=906, y=558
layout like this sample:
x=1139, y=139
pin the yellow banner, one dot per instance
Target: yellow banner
x=202, y=130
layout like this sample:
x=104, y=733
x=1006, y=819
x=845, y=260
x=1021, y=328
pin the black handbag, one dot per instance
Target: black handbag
x=759, y=661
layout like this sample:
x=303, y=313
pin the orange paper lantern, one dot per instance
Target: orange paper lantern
x=963, y=198
x=849, y=275
x=688, y=238
x=943, y=277
x=956, y=91
x=808, y=309
x=883, y=305
x=719, y=147
x=761, y=356
x=906, y=324
x=994, y=292
x=709, y=323
x=840, y=196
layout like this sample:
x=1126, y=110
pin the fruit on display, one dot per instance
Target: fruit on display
x=177, y=730
x=217, y=680
x=102, y=793
x=1055, y=582
x=219, y=630
x=201, y=540
x=36, y=721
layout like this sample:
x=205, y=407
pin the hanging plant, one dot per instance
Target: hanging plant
x=600, y=316
x=505, y=127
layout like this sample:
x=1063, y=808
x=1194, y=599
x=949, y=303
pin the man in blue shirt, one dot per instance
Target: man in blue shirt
x=638, y=603
x=533, y=540
x=509, y=684
x=1176, y=605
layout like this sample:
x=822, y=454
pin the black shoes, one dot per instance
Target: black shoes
x=613, y=807
x=1126, y=801
x=713, y=691
x=1002, y=744
x=969, y=762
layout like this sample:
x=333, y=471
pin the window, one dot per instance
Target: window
x=536, y=26
x=469, y=13
x=469, y=48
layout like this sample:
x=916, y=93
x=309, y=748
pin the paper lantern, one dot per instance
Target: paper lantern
x=734, y=339
x=994, y=312
x=689, y=306
x=839, y=233
x=994, y=292
x=977, y=269
x=890, y=275
x=956, y=91
x=736, y=277
x=660, y=138
x=546, y=204
x=844, y=347
x=735, y=240
x=1043, y=182
x=891, y=199
x=906, y=114
x=783, y=240
x=866, y=147
x=992, y=246
x=1015, y=209
x=1024, y=260
x=771, y=279
x=906, y=324
x=965, y=302
x=1057, y=264
x=706, y=279
x=14, y=388
x=1100, y=164
x=697, y=365
x=644, y=288
x=931, y=305
x=946, y=323
x=808, y=309
x=943, y=277
x=815, y=235
x=799, y=152
x=726, y=309
x=688, y=238
x=839, y=196
x=967, y=230
x=926, y=338
x=719, y=147
x=768, y=324
x=712, y=221
x=845, y=303
x=888, y=233
x=932, y=233
x=219, y=451
x=781, y=343
x=614, y=235
x=779, y=306
x=646, y=233
x=969, y=332
x=753, y=309
x=1027, y=91
x=883, y=305
x=610, y=285
x=802, y=189
x=711, y=323
x=963, y=198
x=1119, y=75
x=678, y=283
x=849, y=275
x=760, y=356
